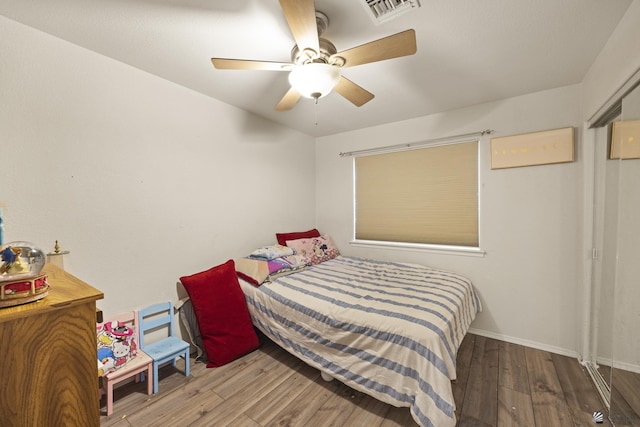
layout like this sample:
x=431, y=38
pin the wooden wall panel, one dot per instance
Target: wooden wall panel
x=530, y=149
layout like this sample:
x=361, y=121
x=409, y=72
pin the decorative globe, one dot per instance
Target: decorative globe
x=20, y=260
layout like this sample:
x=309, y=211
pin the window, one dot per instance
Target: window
x=425, y=196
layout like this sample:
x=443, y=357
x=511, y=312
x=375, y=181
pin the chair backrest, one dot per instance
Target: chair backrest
x=155, y=317
x=116, y=343
x=130, y=318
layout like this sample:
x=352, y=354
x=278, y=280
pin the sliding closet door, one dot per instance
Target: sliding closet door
x=625, y=375
x=604, y=265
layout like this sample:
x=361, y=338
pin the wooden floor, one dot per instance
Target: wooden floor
x=625, y=396
x=499, y=384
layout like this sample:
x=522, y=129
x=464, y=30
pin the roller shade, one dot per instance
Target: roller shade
x=427, y=195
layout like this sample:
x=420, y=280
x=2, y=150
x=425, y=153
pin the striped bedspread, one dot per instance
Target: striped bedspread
x=390, y=330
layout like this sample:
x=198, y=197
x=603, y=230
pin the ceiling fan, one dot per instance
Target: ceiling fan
x=314, y=70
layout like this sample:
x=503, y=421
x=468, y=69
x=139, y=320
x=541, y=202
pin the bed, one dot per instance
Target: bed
x=390, y=330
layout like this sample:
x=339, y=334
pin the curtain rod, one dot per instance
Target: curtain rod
x=399, y=147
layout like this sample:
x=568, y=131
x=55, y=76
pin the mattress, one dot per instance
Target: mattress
x=390, y=330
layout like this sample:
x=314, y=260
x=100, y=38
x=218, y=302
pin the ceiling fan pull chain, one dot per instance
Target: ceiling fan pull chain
x=315, y=109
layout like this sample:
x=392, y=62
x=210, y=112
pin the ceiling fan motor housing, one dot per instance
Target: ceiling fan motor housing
x=327, y=49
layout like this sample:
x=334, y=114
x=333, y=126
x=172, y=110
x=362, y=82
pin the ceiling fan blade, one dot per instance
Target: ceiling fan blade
x=354, y=93
x=400, y=44
x=289, y=100
x=301, y=18
x=246, y=64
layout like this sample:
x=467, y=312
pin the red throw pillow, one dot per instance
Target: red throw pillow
x=222, y=313
x=283, y=237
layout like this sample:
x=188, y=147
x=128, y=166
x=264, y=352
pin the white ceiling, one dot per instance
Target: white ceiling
x=469, y=51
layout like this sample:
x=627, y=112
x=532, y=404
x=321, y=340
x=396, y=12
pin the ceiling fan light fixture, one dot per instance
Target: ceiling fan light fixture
x=314, y=80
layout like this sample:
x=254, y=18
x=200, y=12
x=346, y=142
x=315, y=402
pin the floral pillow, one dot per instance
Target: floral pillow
x=315, y=249
x=271, y=252
x=258, y=271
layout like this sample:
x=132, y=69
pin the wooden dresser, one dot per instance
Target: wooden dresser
x=48, y=370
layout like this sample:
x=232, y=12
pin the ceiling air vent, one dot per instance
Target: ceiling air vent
x=384, y=10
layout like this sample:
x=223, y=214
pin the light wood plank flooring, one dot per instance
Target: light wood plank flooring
x=499, y=384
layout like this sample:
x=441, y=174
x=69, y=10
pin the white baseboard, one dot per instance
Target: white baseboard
x=526, y=343
x=619, y=365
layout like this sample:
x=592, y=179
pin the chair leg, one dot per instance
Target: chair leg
x=186, y=363
x=155, y=377
x=109, y=397
x=150, y=378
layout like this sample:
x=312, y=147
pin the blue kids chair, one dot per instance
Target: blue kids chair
x=156, y=318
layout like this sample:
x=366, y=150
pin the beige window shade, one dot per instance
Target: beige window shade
x=427, y=195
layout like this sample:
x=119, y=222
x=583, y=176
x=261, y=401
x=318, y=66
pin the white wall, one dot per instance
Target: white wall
x=616, y=63
x=141, y=179
x=530, y=226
